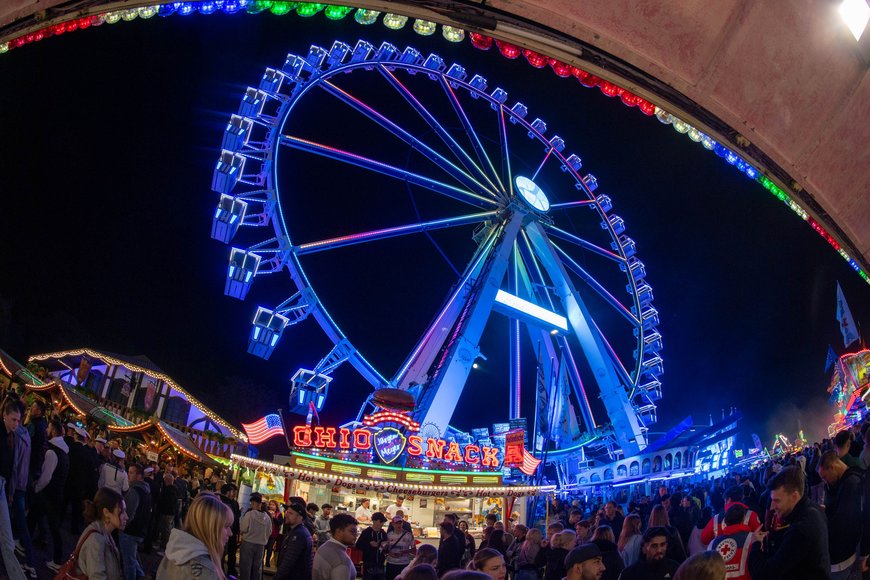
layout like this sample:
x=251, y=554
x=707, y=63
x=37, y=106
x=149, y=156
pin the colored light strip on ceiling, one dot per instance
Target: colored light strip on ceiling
x=479, y=41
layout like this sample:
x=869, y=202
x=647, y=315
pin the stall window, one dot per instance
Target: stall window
x=678, y=460
x=646, y=467
x=608, y=474
x=176, y=410
x=622, y=471
x=668, y=462
x=657, y=464
x=595, y=478
x=634, y=468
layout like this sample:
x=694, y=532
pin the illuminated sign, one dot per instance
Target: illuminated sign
x=389, y=443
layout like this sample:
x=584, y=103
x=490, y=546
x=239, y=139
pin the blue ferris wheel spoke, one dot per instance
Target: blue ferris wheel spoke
x=595, y=285
x=617, y=362
x=544, y=160
x=384, y=233
x=578, y=241
x=432, y=155
x=386, y=169
x=461, y=154
x=570, y=204
x=482, y=156
x=505, y=151
x=534, y=269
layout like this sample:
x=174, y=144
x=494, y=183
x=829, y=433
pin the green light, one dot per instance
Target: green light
x=308, y=9
x=424, y=27
x=391, y=468
x=257, y=6
x=113, y=17
x=281, y=8
x=130, y=14
x=366, y=17
x=337, y=12
x=395, y=21
x=453, y=34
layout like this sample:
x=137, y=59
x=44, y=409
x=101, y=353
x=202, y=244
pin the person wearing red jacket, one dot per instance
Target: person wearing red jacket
x=734, y=542
x=733, y=496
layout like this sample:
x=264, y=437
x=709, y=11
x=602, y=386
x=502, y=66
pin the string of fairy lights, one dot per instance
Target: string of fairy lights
x=393, y=21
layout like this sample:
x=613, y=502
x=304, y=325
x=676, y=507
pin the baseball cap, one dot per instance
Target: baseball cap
x=395, y=519
x=297, y=507
x=581, y=553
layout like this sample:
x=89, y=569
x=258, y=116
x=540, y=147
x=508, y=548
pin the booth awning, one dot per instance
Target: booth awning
x=179, y=440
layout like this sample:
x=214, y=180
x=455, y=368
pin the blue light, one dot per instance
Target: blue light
x=257, y=332
x=217, y=213
x=274, y=339
x=720, y=150
x=751, y=172
x=731, y=157
x=320, y=400
x=167, y=9
x=248, y=276
x=185, y=8
x=207, y=7
x=233, y=6
x=301, y=396
x=232, y=271
x=233, y=219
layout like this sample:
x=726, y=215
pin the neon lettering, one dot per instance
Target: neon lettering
x=490, y=457
x=469, y=458
x=362, y=439
x=415, y=445
x=324, y=436
x=435, y=448
x=302, y=436
x=453, y=453
x=344, y=438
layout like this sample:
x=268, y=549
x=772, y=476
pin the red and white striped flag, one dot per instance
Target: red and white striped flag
x=530, y=464
x=266, y=428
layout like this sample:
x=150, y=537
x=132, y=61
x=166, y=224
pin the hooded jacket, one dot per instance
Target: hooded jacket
x=186, y=558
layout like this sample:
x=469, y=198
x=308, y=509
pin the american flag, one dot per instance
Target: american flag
x=266, y=428
x=530, y=464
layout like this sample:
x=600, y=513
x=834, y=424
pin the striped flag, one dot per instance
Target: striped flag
x=530, y=464
x=266, y=428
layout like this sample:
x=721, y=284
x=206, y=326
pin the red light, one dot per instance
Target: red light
x=30, y=37
x=586, y=79
x=84, y=22
x=72, y=25
x=609, y=89
x=535, y=59
x=39, y=35
x=58, y=29
x=96, y=20
x=507, y=50
x=18, y=42
x=560, y=68
x=629, y=99
x=646, y=107
x=480, y=42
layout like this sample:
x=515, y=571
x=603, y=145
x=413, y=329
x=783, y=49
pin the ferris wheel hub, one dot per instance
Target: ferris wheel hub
x=532, y=194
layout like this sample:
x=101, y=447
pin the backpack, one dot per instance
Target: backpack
x=68, y=570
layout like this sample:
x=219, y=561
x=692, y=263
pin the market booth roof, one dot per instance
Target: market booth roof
x=177, y=439
x=79, y=403
x=368, y=477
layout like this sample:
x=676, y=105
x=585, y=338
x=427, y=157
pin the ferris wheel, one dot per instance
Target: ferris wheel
x=543, y=248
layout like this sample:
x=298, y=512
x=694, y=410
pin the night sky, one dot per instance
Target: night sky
x=110, y=136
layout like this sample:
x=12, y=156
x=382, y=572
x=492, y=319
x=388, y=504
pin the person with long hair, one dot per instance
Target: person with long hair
x=422, y=572
x=526, y=566
x=196, y=550
x=605, y=540
x=695, y=545
x=469, y=542
x=630, y=539
x=277, y=519
x=659, y=518
x=427, y=554
x=702, y=566
x=99, y=558
x=490, y=562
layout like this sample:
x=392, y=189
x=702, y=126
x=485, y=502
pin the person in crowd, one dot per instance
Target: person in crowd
x=554, y=552
x=612, y=518
x=331, y=561
x=81, y=476
x=321, y=524
x=734, y=542
x=526, y=566
x=490, y=562
x=450, y=549
x=166, y=505
x=18, y=484
x=427, y=555
x=695, y=545
x=457, y=533
x=399, y=505
x=422, y=571
x=183, y=487
x=194, y=552
x=658, y=518
x=843, y=443
x=138, y=501
x=733, y=495
x=296, y=558
x=583, y=529
x=399, y=548
x=48, y=499
x=630, y=539
x=312, y=509
x=585, y=562
x=844, y=512
x=654, y=565
x=113, y=474
x=277, y=519
x=155, y=484
x=518, y=533
x=798, y=547
x=574, y=518
x=605, y=540
x=11, y=411
x=37, y=428
x=256, y=528
x=498, y=541
x=364, y=512
x=702, y=566
x=372, y=542
x=228, y=496
x=470, y=545
x=99, y=558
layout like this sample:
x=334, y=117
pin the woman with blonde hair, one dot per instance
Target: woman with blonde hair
x=702, y=566
x=658, y=517
x=630, y=540
x=196, y=550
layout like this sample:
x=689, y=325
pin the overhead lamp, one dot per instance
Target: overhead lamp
x=855, y=13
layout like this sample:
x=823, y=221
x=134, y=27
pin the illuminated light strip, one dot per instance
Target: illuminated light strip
x=531, y=309
x=275, y=469
x=479, y=41
x=390, y=417
x=393, y=468
x=155, y=375
x=33, y=386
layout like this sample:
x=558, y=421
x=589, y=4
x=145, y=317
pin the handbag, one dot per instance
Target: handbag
x=68, y=570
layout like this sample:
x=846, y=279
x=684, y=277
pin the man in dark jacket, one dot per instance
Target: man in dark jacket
x=450, y=550
x=138, y=500
x=843, y=487
x=37, y=427
x=166, y=509
x=370, y=543
x=49, y=489
x=296, y=558
x=798, y=547
x=228, y=496
x=652, y=565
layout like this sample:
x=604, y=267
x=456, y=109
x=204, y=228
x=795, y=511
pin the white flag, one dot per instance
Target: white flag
x=844, y=317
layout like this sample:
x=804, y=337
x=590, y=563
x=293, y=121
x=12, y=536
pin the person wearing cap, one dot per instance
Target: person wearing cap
x=296, y=558
x=584, y=563
x=400, y=547
x=653, y=565
x=113, y=475
x=256, y=527
x=370, y=543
